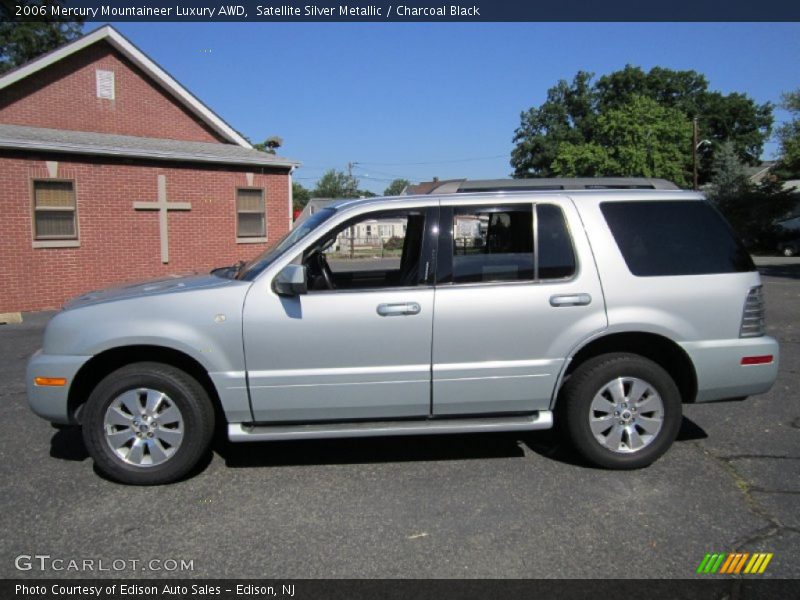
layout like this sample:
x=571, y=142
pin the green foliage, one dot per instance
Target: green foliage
x=396, y=187
x=639, y=138
x=21, y=42
x=336, y=184
x=270, y=145
x=571, y=115
x=753, y=211
x=567, y=116
x=300, y=196
x=789, y=138
x=394, y=243
x=728, y=178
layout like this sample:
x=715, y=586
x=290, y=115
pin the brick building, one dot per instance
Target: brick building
x=111, y=171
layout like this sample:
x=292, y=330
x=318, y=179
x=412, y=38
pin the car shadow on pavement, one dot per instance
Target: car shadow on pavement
x=67, y=444
x=370, y=450
x=551, y=444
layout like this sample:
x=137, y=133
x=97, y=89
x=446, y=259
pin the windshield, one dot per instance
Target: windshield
x=251, y=269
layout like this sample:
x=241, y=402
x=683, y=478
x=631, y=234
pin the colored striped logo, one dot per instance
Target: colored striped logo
x=735, y=563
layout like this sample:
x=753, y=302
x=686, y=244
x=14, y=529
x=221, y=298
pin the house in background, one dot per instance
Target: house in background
x=112, y=171
x=313, y=205
x=758, y=174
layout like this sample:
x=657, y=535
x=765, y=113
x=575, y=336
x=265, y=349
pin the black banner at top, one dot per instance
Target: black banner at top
x=400, y=10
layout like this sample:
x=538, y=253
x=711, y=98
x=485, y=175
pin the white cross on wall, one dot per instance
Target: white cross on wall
x=162, y=206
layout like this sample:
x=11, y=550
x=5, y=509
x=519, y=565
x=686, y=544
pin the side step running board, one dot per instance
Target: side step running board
x=242, y=432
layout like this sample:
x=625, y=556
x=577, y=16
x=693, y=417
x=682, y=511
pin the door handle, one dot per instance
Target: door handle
x=402, y=308
x=570, y=300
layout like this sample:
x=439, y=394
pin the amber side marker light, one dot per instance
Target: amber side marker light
x=757, y=360
x=50, y=381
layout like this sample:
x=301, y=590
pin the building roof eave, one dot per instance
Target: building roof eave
x=38, y=139
x=151, y=155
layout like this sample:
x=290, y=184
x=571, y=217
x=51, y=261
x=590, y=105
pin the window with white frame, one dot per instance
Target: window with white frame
x=54, y=210
x=250, y=213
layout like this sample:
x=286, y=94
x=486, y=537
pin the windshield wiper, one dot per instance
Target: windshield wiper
x=235, y=268
x=238, y=268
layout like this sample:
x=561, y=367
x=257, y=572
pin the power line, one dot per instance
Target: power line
x=395, y=175
x=378, y=178
x=432, y=162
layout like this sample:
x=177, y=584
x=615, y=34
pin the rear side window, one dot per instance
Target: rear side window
x=493, y=244
x=676, y=237
x=497, y=243
x=556, y=256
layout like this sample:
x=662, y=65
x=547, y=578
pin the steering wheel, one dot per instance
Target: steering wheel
x=323, y=269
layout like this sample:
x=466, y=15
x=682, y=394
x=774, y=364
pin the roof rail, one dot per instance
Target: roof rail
x=553, y=183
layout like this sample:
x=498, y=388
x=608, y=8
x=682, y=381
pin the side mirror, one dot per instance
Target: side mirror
x=291, y=281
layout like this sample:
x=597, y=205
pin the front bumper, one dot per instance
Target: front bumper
x=720, y=374
x=51, y=402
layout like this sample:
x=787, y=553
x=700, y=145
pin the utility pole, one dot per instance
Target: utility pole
x=694, y=151
x=350, y=166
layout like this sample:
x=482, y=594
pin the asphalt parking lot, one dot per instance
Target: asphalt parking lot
x=495, y=505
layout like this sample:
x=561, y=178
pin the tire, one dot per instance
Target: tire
x=620, y=411
x=147, y=424
x=789, y=251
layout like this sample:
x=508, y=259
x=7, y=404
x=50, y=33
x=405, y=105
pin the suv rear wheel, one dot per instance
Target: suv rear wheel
x=147, y=423
x=621, y=411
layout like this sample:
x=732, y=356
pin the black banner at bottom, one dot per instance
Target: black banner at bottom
x=405, y=589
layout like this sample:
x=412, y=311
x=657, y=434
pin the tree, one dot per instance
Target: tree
x=572, y=110
x=640, y=138
x=396, y=187
x=336, y=184
x=300, y=196
x=752, y=210
x=788, y=166
x=21, y=42
x=270, y=145
x=567, y=116
x=729, y=177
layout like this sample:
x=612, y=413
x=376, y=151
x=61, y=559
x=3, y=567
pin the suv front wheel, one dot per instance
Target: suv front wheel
x=147, y=423
x=620, y=411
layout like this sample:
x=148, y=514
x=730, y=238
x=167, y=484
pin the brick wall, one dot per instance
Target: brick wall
x=118, y=243
x=64, y=96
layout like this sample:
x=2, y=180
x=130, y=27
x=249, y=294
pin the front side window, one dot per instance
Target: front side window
x=250, y=213
x=522, y=242
x=54, y=210
x=250, y=270
x=378, y=250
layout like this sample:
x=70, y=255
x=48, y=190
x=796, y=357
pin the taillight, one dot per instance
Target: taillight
x=753, y=314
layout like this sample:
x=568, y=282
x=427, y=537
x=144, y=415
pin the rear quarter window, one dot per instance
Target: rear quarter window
x=675, y=237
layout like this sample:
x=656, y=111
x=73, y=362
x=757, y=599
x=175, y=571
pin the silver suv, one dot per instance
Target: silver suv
x=601, y=309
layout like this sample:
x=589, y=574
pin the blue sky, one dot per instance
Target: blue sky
x=389, y=95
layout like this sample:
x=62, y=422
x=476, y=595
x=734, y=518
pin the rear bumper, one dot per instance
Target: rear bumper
x=720, y=372
x=50, y=402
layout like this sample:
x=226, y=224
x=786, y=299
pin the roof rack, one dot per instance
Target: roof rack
x=460, y=186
